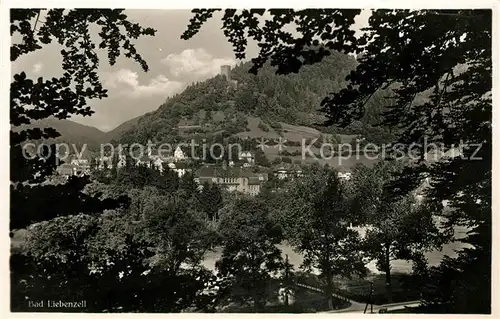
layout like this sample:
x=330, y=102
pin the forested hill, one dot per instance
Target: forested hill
x=263, y=105
x=224, y=107
x=71, y=132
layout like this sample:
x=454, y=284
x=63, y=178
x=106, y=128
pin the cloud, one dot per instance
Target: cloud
x=127, y=82
x=37, y=67
x=195, y=64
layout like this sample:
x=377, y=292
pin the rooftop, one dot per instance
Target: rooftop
x=235, y=172
x=179, y=165
x=288, y=167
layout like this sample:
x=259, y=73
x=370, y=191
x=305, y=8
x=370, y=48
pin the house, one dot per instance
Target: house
x=122, y=161
x=345, y=175
x=288, y=171
x=232, y=178
x=107, y=161
x=292, y=171
x=179, y=155
x=165, y=156
x=180, y=168
x=104, y=162
x=66, y=169
x=157, y=163
x=81, y=165
x=246, y=156
x=79, y=161
x=143, y=161
x=177, y=162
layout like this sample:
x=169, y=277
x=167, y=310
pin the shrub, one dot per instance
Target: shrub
x=276, y=126
x=293, y=143
x=276, y=161
x=263, y=127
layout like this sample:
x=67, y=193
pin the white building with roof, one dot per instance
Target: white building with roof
x=179, y=168
x=179, y=155
x=246, y=156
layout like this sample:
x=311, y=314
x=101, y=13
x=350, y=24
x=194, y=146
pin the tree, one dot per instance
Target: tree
x=33, y=204
x=441, y=91
x=55, y=252
x=261, y=159
x=80, y=256
x=456, y=78
x=177, y=233
x=187, y=186
x=114, y=167
x=170, y=179
x=284, y=50
x=249, y=255
x=397, y=229
x=286, y=159
x=263, y=126
x=67, y=255
x=32, y=100
x=93, y=164
x=116, y=268
x=276, y=161
x=317, y=222
x=210, y=200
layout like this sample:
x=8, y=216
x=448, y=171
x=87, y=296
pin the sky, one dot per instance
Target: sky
x=174, y=64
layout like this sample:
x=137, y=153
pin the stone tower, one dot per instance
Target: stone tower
x=225, y=70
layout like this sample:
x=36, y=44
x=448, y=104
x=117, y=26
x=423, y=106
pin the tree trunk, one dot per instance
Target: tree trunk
x=287, y=283
x=256, y=304
x=329, y=290
x=388, y=274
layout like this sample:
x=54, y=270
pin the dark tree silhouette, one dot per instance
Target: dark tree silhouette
x=437, y=67
x=250, y=255
x=316, y=219
x=36, y=99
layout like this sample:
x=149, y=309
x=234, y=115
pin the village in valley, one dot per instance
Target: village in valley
x=243, y=176
x=239, y=173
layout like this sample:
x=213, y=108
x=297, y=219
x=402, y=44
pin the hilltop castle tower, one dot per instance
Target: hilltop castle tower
x=225, y=70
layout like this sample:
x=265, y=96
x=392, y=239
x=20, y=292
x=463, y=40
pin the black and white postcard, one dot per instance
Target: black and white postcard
x=313, y=160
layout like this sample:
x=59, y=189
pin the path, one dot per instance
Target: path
x=358, y=307
x=352, y=308
x=376, y=308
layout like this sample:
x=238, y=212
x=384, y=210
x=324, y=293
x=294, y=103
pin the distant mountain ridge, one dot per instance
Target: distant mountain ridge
x=236, y=104
x=79, y=134
x=120, y=129
x=71, y=132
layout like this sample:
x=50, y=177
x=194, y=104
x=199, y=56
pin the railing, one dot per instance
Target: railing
x=316, y=289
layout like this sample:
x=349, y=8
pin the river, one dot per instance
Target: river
x=398, y=266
